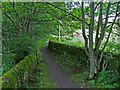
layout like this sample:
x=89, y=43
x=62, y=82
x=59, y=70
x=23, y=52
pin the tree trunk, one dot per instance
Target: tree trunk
x=83, y=29
x=91, y=51
x=103, y=27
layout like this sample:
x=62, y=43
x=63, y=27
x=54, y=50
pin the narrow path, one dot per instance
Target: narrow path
x=61, y=79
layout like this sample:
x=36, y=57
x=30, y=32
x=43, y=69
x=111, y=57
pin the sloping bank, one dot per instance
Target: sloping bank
x=80, y=54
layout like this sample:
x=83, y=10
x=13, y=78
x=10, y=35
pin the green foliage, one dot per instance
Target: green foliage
x=25, y=23
x=106, y=79
x=16, y=50
x=69, y=41
x=8, y=61
x=43, y=79
x=19, y=74
x=69, y=61
x=81, y=78
x=76, y=55
x=23, y=47
x=112, y=55
x=20, y=31
x=112, y=47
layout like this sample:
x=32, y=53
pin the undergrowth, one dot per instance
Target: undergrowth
x=68, y=62
x=42, y=79
x=106, y=79
x=72, y=65
x=80, y=73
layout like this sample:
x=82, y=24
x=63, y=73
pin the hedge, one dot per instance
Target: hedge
x=79, y=53
x=19, y=74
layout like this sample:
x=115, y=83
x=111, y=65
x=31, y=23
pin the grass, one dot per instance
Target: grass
x=68, y=42
x=80, y=73
x=81, y=79
x=40, y=78
x=43, y=80
x=69, y=63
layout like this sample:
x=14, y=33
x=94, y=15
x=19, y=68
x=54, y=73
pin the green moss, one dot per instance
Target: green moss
x=79, y=53
x=9, y=80
x=19, y=73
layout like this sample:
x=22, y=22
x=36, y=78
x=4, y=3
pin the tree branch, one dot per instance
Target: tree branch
x=98, y=26
x=103, y=28
x=83, y=29
x=9, y=18
x=66, y=12
x=111, y=27
x=96, y=6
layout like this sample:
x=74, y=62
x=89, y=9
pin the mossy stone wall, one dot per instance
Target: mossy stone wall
x=81, y=55
x=78, y=52
x=19, y=74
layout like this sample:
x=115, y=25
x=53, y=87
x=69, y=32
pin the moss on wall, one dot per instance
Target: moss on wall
x=80, y=54
x=19, y=74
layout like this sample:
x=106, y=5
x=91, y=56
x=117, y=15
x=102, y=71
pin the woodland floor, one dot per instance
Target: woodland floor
x=59, y=77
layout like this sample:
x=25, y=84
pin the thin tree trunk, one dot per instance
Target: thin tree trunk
x=91, y=51
x=83, y=29
x=103, y=28
x=102, y=53
x=98, y=26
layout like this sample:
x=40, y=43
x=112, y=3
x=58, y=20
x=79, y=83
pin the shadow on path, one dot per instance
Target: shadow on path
x=61, y=79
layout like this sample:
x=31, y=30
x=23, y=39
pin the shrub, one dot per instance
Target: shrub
x=106, y=79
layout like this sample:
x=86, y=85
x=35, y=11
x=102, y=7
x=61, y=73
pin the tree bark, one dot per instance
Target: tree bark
x=98, y=26
x=103, y=28
x=102, y=53
x=91, y=51
x=83, y=29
